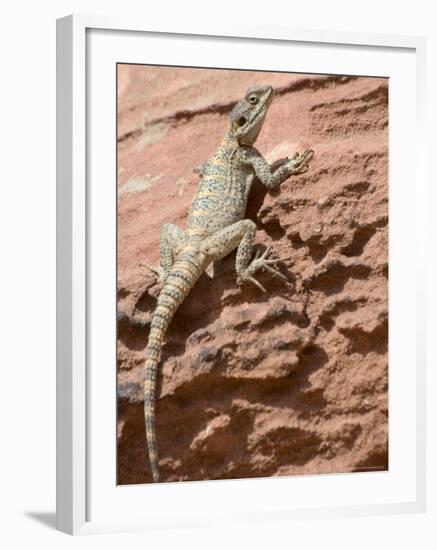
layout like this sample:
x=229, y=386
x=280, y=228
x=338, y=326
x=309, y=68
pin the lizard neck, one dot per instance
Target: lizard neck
x=230, y=139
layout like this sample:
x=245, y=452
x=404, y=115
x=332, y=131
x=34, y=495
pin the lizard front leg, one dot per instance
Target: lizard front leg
x=297, y=165
x=240, y=234
x=171, y=242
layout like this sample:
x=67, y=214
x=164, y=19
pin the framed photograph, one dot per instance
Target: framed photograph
x=240, y=310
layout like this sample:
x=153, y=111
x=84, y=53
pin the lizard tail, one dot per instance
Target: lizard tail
x=182, y=277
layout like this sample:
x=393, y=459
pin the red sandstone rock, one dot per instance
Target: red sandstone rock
x=293, y=382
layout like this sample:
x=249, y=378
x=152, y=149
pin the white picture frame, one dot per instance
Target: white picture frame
x=75, y=342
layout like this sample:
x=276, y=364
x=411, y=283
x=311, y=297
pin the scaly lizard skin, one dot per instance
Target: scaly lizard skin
x=215, y=227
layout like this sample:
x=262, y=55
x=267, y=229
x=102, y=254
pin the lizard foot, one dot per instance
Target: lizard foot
x=260, y=262
x=157, y=270
x=299, y=163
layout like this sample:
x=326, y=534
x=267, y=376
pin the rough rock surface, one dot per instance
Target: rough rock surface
x=250, y=385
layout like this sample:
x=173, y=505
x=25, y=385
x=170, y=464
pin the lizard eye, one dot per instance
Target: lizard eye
x=241, y=121
x=253, y=99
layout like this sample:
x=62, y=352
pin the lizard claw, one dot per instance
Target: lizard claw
x=248, y=278
x=278, y=260
x=275, y=272
x=299, y=163
x=267, y=263
x=257, y=283
x=261, y=261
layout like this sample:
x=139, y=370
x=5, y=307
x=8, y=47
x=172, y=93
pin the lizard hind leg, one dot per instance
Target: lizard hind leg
x=240, y=235
x=172, y=241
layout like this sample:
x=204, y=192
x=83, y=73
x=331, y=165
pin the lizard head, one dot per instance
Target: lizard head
x=247, y=117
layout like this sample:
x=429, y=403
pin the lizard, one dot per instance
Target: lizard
x=215, y=227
